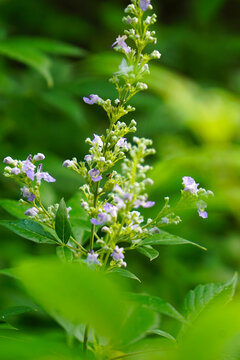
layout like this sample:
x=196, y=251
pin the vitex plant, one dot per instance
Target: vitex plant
x=96, y=230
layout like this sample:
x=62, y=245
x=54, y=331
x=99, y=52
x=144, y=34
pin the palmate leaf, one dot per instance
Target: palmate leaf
x=204, y=295
x=62, y=224
x=165, y=238
x=158, y=305
x=30, y=230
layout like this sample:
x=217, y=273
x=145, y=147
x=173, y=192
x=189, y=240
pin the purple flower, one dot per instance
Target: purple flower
x=95, y=175
x=203, y=214
x=201, y=205
x=8, y=160
x=92, y=258
x=15, y=171
x=27, y=194
x=93, y=99
x=190, y=185
x=29, y=167
x=88, y=158
x=43, y=175
x=122, y=143
x=165, y=220
x=111, y=209
x=39, y=157
x=143, y=203
x=68, y=163
x=117, y=253
x=101, y=219
x=31, y=212
x=97, y=140
x=148, y=204
x=120, y=204
x=120, y=42
x=144, y=4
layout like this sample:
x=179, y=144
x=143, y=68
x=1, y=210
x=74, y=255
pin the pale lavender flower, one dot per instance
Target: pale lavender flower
x=123, y=263
x=143, y=203
x=92, y=258
x=95, y=175
x=144, y=4
x=101, y=219
x=27, y=194
x=117, y=253
x=8, y=160
x=97, y=140
x=68, y=211
x=122, y=143
x=31, y=212
x=165, y=220
x=15, y=171
x=93, y=99
x=39, y=157
x=88, y=158
x=43, y=175
x=120, y=204
x=190, y=185
x=29, y=167
x=120, y=42
x=68, y=163
x=111, y=209
x=201, y=205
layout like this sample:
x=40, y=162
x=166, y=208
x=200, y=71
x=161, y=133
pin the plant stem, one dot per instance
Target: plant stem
x=85, y=341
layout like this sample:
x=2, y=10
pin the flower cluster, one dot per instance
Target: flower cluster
x=113, y=200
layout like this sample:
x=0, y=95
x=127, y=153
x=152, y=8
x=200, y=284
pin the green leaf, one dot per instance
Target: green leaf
x=165, y=238
x=6, y=326
x=163, y=334
x=75, y=292
x=158, y=305
x=148, y=251
x=13, y=311
x=124, y=273
x=205, y=9
x=51, y=46
x=14, y=207
x=204, y=295
x=62, y=224
x=138, y=322
x=30, y=230
x=64, y=253
x=19, y=50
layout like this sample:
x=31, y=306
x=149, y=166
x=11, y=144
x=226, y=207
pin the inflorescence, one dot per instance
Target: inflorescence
x=113, y=200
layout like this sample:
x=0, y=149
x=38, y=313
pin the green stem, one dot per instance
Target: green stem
x=85, y=341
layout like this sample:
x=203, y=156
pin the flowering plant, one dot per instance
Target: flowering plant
x=112, y=199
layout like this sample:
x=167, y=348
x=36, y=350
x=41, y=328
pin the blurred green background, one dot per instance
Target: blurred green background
x=54, y=52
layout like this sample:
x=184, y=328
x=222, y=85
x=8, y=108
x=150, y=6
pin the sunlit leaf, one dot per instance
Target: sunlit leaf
x=62, y=224
x=30, y=230
x=148, y=251
x=162, y=333
x=124, y=273
x=64, y=253
x=158, y=305
x=13, y=311
x=165, y=238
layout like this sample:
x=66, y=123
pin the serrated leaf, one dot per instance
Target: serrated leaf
x=148, y=251
x=162, y=333
x=165, y=238
x=64, y=253
x=204, y=295
x=124, y=273
x=62, y=224
x=30, y=230
x=14, y=207
x=13, y=311
x=158, y=305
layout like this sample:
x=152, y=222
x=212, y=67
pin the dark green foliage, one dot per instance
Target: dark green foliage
x=62, y=224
